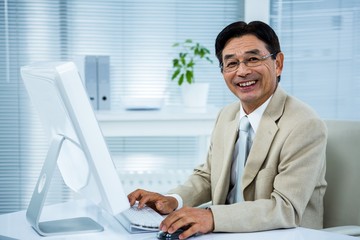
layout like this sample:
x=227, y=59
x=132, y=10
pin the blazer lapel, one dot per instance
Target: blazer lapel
x=264, y=136
x=230, y=136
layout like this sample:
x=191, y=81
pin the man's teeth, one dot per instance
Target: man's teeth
x=246, y=84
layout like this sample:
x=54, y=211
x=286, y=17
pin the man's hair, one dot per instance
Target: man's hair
x=238, y=29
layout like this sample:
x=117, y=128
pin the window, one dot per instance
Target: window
x=137, y=35
x=320, y=42
x=319, y=38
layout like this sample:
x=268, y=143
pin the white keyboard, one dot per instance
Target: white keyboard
x=140, y=220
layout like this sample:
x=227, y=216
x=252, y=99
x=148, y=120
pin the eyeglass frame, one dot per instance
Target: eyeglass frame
x=245, y=62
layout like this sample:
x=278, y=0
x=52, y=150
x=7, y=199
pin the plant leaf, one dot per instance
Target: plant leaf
x=183, y=60
x=181, y=79
x=191, y=64
x=175, y=62
x=189, y=76
x=176, y=73
x=182, y=55
x=208, y=59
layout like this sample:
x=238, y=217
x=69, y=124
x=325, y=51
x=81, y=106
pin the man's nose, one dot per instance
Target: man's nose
x=243, y=69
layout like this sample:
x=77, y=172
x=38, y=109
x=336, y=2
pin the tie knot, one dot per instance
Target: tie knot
x=244, y=124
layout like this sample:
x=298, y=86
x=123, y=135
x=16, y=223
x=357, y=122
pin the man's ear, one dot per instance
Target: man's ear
x=279, y=63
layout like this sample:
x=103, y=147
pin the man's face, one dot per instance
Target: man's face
x=252, y=85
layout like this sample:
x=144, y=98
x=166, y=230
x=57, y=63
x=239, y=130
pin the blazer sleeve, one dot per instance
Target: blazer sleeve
x=197, y=188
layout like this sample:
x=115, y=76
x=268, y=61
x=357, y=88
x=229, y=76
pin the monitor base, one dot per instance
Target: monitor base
x=33, y=213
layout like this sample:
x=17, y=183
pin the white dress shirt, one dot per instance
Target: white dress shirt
x=254, y=119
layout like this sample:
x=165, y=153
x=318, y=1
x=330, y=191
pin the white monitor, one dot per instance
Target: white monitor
x=76, y=146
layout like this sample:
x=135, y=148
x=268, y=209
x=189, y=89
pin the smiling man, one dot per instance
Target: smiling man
x=280, y=181
x=252, y=80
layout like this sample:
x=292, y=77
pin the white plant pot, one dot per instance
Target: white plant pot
x=195, y=95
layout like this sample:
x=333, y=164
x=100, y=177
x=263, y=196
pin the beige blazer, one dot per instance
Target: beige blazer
x=284, y=178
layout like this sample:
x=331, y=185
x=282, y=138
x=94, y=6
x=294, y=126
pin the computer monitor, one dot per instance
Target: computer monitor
x=76, y=146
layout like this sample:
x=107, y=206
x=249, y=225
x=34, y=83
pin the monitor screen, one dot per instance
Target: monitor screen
x=58, y=93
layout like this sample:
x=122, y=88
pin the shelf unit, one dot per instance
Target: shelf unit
x=169, y=121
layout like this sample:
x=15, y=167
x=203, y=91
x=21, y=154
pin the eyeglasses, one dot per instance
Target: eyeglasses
x=232, y=64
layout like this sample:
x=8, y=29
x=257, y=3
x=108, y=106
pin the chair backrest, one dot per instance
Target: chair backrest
x=342, y=197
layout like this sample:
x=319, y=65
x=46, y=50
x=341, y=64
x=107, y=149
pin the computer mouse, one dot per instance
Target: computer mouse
x=168, y=236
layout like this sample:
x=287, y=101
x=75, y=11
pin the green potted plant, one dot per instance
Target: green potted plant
x=190, y=53
x=183, y=65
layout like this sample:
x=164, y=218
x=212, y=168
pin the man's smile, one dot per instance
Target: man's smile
x=246, y=84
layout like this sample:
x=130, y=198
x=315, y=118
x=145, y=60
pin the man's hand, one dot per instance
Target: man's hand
x=160, y=203
x=194, y=220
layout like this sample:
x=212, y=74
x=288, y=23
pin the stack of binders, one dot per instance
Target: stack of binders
x=95, y=72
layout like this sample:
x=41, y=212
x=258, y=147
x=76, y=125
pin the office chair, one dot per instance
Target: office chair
x=342, y=197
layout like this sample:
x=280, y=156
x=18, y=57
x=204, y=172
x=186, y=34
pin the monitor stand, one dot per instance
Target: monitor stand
x=54, y=227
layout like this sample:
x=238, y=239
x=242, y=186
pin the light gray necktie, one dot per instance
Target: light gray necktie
x=244, y=142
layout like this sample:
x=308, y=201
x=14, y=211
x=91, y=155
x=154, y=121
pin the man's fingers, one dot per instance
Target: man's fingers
x=192, y=230
x=193, y=219
x=174, y=221
x=160, y=203
x=154, y=200
x=147, y=199
x=136, y=196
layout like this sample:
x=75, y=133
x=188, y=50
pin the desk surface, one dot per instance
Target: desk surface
x=16, y=226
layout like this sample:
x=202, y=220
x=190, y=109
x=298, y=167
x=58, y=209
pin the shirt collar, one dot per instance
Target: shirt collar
x=255, y=116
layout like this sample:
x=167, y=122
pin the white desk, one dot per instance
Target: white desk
x=15, y=225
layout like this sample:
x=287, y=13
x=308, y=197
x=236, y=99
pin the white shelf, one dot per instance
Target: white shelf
x=169, y=121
